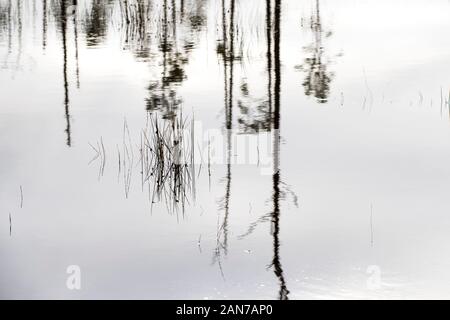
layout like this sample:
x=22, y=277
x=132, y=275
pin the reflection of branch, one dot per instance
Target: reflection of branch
x=291, y=192
x=266, y=217
x=254, y=120
x=276, y=262
x=255, y=224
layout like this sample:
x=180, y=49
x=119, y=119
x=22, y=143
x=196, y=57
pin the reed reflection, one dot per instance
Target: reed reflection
x=135, y=20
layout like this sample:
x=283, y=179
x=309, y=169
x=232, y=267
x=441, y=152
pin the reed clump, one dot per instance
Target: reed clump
x=164, y=157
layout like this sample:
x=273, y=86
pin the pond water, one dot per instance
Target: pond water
x=224, y=149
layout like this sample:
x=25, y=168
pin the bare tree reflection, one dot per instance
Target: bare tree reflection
x=163, y=93
x=44, y=24
x=264, y=117
x=75, y=37
x=6, y=23
x=267, y=117
x=177, y=37
x=19, y=32
x=96, y=21
x=11, y=25
x=256, y=114
x=317, y=76
x=276, y=262
x=66, y=82
x=135, y=20
x=225, y=50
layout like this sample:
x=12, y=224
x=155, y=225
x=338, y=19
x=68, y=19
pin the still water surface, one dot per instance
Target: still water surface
x=195, y=149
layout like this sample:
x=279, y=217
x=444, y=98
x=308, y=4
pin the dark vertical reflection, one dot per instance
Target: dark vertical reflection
x=66, y=83
x=229, y=126
x=174, y=20
x=276, y=262
x=165, y=50
x=19, y=31
x=181, y=10
x=44, y=24
x=9, y=26
x=228, y=123
x=75, y=36
x=269, y=52
x=34, y=18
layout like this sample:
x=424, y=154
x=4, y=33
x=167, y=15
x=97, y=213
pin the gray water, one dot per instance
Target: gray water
x=314, y=159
